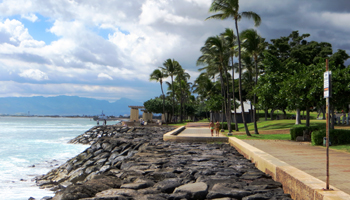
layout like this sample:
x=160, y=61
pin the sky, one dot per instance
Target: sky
x=107, y=49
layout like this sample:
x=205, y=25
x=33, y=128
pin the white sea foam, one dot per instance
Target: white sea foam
x=34, y=146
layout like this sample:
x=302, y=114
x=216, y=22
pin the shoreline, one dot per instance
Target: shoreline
x=135, y=163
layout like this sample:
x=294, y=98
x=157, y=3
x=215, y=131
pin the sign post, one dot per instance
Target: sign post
x=327, y=91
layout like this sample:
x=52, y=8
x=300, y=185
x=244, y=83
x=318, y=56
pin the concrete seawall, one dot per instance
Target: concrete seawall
x=295, y=182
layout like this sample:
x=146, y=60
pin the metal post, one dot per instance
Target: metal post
x=327, y=133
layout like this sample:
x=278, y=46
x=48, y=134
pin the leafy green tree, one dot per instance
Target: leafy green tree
x=155, y=105
x=293, y=75
x=230, y=9
x=214, y=103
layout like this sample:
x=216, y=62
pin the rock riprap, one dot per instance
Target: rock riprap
x=138, y=164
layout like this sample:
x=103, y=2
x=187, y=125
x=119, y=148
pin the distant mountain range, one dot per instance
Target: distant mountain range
x=64, y=105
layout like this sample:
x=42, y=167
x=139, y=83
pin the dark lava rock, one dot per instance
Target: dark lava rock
x=135, y=163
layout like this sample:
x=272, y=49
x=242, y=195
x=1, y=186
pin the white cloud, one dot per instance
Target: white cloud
x=141, y=35
x=31, y=17
x=154, y=11
x=104, y=76
x=34, y=74
x=111, y=93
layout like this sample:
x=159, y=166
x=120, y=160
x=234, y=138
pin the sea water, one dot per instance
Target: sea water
x=32, y=146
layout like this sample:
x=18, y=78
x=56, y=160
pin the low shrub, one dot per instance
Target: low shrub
x=297, y=130
x=336, y=136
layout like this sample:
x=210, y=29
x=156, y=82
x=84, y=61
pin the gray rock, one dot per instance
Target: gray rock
x=140, y=165
x=168, y=185
x=117, y=192
x=221, y=190
x=251, y=175
x=138, y=184
x=196, y=190
x=257, y=197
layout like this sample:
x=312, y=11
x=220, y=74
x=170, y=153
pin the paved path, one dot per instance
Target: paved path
x=198, y=130
x=310, y=159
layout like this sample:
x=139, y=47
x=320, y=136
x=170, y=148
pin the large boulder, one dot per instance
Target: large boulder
x=195, y=190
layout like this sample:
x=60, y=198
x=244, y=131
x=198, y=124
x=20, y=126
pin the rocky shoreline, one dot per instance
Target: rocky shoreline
x=135, y=163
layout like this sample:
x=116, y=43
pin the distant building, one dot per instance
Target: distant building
x=217, y=116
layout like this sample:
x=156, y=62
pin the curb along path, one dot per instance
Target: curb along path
x=301, y=166
x=310, y=159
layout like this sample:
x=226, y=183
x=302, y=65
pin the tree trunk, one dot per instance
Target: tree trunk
x=240, y=81
x=323, y=109
x=266, y=112
x=307, y=116
x=181, y=104
x=233, y=95
x=284, y=113
x=271, y=113
x=333, y=117
x=222, y=117
x=172, y=85
x=297, y=117
x=165, y=117
x=254, y=119
x=255, y=97
x=229, y=110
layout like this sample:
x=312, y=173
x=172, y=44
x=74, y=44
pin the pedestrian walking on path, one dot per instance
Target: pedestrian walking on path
x=217, y=128
x=211, y=126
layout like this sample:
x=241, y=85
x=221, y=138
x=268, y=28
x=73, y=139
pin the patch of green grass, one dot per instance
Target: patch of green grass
x=345, y=147
x=178, y=124
x=204, y=120
x=276, y=124
x=264, y=137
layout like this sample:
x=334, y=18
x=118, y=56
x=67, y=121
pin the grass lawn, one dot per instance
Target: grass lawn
x=264, y=137
x=345, y=148
x=178, y=124
x=276, y=124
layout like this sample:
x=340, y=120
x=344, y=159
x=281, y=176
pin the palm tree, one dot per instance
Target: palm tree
x=231, y=40
x=182, y=78
x=203, y=86
x=158, y=76
x=254, y=45
x=170, y=69
x=230, y=9
x=215, y=54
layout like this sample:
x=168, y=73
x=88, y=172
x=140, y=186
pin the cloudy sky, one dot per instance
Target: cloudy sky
x=106, y=49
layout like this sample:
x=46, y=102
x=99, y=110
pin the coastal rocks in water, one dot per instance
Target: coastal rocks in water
x=138, y=164
x=92, y=135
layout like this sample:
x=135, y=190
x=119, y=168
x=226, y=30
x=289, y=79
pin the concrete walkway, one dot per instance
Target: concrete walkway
x=310, y=159
x=301, y=155
x=198, y=130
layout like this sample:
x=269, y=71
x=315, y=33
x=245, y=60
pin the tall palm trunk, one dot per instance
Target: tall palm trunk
x=297, y=117
x=181, y=104
x=307, y=116
x=240, y=80
x=165, y=116
x=228, y=110
x=224, y=107
x=233, y=95
x=172, y=85
x=256, y=82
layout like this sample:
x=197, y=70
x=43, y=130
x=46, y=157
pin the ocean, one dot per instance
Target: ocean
x=31, y=146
